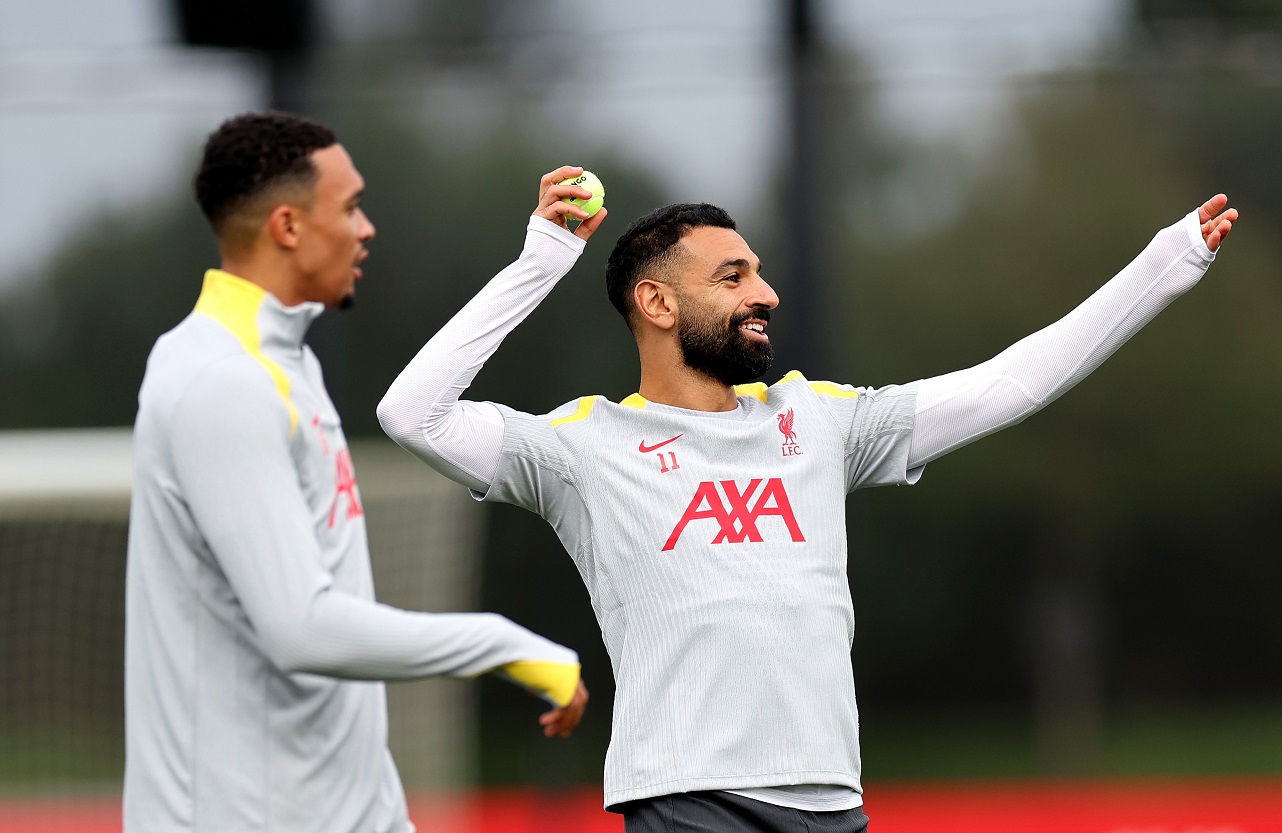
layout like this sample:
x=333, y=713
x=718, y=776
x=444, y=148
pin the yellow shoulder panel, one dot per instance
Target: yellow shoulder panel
x=825, y=388
x=836, y=391
x=636, y=400
x=584, y=409
x=757, y=390
x=233, y=302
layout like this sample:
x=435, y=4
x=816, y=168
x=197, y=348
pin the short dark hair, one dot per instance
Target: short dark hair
x=648, y=244
x=251, y=153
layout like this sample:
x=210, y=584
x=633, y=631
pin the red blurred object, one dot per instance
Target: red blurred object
x=1210, y=805
x=1203, y=805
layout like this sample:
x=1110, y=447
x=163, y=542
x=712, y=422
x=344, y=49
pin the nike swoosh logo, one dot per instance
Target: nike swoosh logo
x=646, y=449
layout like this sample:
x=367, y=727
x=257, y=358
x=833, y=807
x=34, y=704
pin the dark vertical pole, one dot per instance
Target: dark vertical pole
x=284, y=33
x=290, y=82
x=801, y=198
x=293, y=89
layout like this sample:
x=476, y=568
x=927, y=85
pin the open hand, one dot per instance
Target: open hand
x=1216, y=221
x=552, y=208
x=561, y=722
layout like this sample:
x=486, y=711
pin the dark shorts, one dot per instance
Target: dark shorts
x=721, y=812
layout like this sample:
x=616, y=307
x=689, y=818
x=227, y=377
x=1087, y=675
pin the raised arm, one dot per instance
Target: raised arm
x=958, y=408
x=421, y=410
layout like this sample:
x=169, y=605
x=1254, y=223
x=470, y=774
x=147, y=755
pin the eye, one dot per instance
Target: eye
x=733, y=277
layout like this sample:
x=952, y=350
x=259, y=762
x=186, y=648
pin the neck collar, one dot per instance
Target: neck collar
x=239, y=305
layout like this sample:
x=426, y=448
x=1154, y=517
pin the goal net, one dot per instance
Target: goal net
x=64, y=504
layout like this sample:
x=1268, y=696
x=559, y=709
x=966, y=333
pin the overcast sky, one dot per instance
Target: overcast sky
x=99, y=107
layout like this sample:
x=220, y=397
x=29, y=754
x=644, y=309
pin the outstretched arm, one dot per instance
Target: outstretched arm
x=421, y=410
x=233, y=466
x=958, y=408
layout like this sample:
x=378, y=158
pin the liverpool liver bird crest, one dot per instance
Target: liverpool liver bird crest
x=785, y=426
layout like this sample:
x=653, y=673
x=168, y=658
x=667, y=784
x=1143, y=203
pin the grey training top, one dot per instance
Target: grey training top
x=249, y=595
x=713, y=546
x=469, y=442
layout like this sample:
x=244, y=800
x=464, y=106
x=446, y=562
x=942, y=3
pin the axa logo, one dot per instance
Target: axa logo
x=737, y=511
x=786, y=421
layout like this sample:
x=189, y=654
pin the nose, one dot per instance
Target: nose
x=366, y=228
x=763, y=295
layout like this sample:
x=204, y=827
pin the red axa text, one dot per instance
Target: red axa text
x=345, y=484
x=738, y=512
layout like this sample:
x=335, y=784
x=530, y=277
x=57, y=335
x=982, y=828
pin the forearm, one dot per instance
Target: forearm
x=233, y=466
x=343, y=636
x=421, y=410
x=958, y=408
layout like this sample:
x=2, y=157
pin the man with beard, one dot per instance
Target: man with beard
x=251, y=631
x=706, y=515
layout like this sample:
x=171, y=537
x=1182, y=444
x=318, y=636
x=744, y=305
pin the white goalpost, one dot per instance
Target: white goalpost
x=64, y=509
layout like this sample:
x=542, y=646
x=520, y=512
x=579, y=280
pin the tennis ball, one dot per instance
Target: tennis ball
x=587, y=180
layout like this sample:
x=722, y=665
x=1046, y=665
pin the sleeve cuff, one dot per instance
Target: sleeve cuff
x=561, y=235
x=1193, y=227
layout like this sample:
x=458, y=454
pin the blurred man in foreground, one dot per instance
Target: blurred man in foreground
x=251, y=625
x=706, y=514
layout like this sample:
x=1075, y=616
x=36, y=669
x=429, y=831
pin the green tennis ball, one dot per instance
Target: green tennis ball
x=587, y=180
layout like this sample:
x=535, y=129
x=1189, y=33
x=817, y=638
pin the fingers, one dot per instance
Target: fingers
x=1212, y=207
x=553, y=177
x=1216, y=237
x=561, y=722
x=550, y=180
x=552, y=196
x=1210, y=224
x=1215, y=229
x=553, y=206
x=589, y=226
x=554, y=209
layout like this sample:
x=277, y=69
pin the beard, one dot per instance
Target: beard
x=347, y=301
x=724, y=352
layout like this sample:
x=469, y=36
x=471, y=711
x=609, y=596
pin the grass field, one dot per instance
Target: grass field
x=1067, y=806
x=1160, y=771
x=1161, y=741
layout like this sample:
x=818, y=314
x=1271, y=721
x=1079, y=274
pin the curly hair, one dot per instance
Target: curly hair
x=648, y=244
x=252, y=153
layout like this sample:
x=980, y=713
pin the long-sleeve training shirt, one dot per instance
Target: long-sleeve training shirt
x=253, y=641
x=713, y=545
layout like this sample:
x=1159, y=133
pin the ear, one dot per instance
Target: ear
x=283, y=225
x=656, y=303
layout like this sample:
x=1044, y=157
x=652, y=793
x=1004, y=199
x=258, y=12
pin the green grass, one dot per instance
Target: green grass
x=34, y=757
x=1159, y=742
x=1165, y=742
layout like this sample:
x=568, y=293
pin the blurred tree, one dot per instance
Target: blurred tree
x=1115, y=550
x=1252, y=14
x=1041, y=541
x=73, y=349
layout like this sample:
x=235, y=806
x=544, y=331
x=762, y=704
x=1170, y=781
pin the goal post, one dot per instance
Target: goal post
x=64, y=509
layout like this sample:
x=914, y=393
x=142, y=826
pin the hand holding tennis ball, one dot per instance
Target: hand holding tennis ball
x=592, y=183
x=569, y=192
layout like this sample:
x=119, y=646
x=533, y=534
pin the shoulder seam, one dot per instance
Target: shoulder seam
x=193, y=381
x=584, y=410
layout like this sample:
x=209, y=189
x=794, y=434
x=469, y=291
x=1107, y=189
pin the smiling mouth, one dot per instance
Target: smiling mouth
x=754, y=329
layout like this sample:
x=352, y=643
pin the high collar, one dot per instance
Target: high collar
x=245, y=307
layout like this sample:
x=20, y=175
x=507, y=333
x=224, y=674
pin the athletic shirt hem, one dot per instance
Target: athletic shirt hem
x=614, y=799
x=815, y=798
